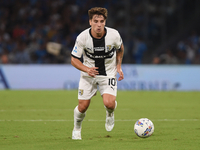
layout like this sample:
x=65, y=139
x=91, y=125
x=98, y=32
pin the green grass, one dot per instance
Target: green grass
x=43, y=120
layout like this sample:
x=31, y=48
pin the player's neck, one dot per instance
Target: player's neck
x=98, y=35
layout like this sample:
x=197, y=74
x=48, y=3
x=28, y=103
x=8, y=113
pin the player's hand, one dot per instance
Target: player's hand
x=121, y=74
x=92, y=71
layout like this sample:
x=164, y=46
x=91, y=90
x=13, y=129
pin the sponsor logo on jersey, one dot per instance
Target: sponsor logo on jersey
x=101, y=56
x=98, y=48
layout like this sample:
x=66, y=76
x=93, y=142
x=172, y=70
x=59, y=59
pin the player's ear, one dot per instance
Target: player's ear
x=90, y=22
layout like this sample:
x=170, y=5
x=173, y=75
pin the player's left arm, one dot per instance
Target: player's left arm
x=120, y=54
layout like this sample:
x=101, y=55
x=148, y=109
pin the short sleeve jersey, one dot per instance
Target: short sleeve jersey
x=99, y=53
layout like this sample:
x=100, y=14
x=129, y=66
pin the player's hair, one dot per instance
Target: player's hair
x=98, y=11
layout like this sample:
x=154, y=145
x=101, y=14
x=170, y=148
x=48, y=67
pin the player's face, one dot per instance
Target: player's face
x=97, y=24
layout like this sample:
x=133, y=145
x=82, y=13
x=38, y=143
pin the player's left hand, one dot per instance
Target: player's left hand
x=121, y=74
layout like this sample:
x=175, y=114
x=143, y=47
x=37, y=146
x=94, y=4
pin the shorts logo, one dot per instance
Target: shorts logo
x=80, y=92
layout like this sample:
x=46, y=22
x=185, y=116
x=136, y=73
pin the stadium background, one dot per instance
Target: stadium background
x=154, y=32
x=161, y=39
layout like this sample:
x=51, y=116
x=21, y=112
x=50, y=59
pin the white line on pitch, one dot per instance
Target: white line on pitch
x=39, y=120
x=119, y=120
x=37, y=110
x=18, y=110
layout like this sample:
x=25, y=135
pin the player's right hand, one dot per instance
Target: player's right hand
x=92, y=71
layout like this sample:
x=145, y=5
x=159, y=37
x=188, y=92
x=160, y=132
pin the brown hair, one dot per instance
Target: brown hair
x=98, y=11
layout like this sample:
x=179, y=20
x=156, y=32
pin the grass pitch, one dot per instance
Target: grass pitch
x=43, y=120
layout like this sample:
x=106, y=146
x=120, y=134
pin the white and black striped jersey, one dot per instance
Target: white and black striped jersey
x=99, y=53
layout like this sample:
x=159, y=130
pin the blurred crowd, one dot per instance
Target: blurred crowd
x=28, y=26
x=187, y=51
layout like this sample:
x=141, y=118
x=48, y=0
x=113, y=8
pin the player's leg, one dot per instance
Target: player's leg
x=110, y=104
x=79, y=115
x=108, y=90
x=86, y=91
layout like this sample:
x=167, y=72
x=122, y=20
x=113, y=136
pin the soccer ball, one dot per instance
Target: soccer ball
x=144, y=127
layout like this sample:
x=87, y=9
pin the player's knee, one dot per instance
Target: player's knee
x=109, y=101
x=109, y=104
x=83, y=105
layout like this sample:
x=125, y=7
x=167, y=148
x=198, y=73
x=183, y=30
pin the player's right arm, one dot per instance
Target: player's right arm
x=80, y=66
x=76, y=54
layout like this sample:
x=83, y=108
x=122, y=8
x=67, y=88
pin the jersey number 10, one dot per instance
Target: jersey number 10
x=111, y=81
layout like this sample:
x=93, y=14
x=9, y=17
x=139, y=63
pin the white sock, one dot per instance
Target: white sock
x=78, y=118
x=111, y=110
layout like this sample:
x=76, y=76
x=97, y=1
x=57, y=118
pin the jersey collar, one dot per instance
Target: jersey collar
x=96, y=38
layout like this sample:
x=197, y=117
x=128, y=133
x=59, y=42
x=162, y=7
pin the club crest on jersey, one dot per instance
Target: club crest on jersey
x=109, y=47
x=80, y=92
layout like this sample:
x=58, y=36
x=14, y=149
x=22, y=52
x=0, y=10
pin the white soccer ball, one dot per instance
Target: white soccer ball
x=144, y=127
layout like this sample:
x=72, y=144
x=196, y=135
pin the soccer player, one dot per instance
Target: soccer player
x=102, y=51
